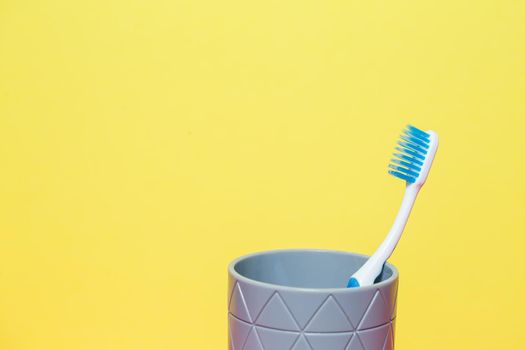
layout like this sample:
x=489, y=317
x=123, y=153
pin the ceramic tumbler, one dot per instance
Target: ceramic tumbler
x=298, y=300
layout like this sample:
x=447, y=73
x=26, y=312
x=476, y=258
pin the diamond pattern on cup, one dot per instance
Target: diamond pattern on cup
x=255, y=298
x=276, y=315
x=273, y=339
x=390, y=296
x=393, y=326
x=261, y=338
x=355, y=304
x=367, y=309
x=239, y=331
x=329, y=318
x=301, y=344
x=374, y=338
x=302, y=306
x=253, y=342
x=377, y=313
x=238, y=305
x=231, y=284
x=329, y=341
x=290, y=320
x=394, y=307
x=355, y=344
x=389, y=343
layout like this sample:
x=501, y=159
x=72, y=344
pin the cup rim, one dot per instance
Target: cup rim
x=239, y=277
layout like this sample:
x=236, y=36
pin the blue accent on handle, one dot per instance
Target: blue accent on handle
x=352, y=283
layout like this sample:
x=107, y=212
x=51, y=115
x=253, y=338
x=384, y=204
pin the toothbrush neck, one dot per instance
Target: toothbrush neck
x=389, y=244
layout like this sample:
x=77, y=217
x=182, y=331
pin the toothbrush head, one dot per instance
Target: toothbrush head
x=416, y=152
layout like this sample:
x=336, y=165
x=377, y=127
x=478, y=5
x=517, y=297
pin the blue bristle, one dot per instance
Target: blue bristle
x=419, y=142
x=413, y=148
x=413, y=130
x=405, y=164
x=411, y=153
x=404, y=170
x=402, y=176
x=408, y=158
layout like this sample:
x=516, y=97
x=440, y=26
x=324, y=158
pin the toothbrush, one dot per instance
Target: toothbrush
x=412, y=163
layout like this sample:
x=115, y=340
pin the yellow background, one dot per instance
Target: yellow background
x=145, y=144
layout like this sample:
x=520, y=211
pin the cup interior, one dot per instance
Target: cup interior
x=304, y=268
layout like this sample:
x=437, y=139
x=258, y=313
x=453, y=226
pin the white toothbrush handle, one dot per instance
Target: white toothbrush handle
x=373, y=266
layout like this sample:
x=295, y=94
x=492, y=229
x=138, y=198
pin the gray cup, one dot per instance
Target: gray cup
x=298, y=300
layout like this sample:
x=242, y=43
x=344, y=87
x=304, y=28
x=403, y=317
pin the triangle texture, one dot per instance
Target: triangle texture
x=238, y=305
x=303, y=306
x=378, y=313
x=231, y=284
x=329, y=341
x=272, y=339
x=390, y=294
x=253, y=342
x=355, y=304
x=301, y=344
x=255, y=298
x=374, y=338
x=329, y=318
x=276, y=315
x=239, y=332
x=389, y=342
x=355, y=344
x=393, y=325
